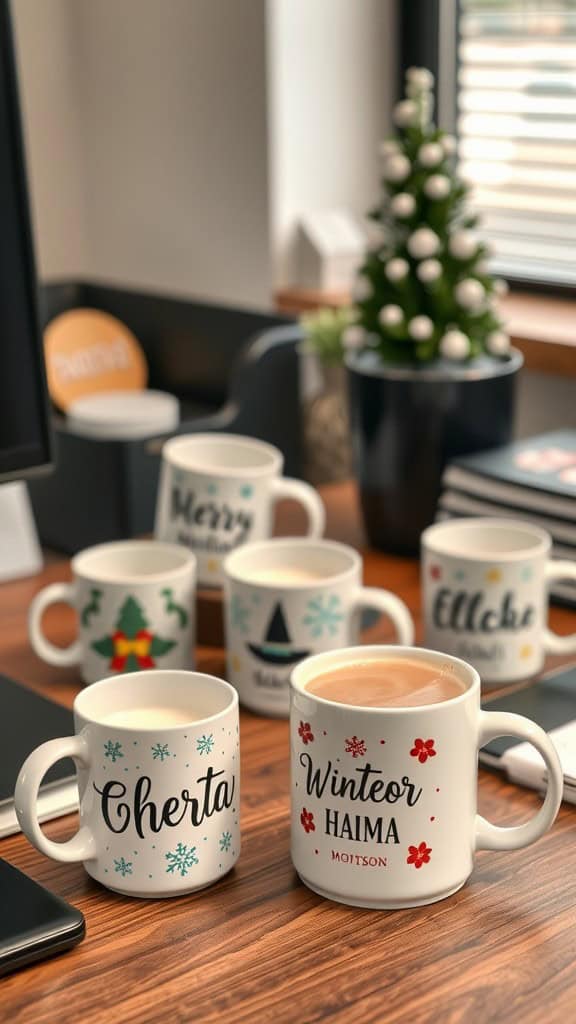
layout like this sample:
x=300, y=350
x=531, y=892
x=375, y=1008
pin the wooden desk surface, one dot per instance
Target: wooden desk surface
x=259, y=946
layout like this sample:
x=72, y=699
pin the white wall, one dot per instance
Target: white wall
x=330, y=76
x=173, y=143
x=174, y=96
x=45, y=35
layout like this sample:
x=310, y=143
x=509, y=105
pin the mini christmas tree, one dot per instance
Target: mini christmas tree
x=424, y=290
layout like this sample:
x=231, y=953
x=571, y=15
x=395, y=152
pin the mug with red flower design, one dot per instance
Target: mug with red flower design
x=135, y=606
x=384, y=798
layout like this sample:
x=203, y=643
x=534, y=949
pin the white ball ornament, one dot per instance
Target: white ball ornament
x=362, y=289
x=405, y=113
x=423, y=243
x=397, y=168
x=500, y=287
x=396, y=269
x=455, y=345
x=463, y=244
x=498, y=343
x=353, y=337
x=430, y=154
x=437, y=186
x=420, y=328
x=470, y=293
x=449, y=144
x=390, y=316
x=403, y=205
x=429, y=271
x=420, y=78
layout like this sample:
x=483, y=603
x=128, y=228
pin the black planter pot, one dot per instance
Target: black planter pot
x=407, y=422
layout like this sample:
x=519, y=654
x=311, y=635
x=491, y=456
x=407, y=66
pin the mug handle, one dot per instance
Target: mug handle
x=388, y=604
x=61, y=656
x=82, y=845
x=305, y=495
x=492, y=837
x=554, y=644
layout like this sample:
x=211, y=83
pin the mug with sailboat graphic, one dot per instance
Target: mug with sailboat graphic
x=286, y=599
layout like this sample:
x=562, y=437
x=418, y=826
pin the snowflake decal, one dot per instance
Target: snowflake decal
x=419, y=855
x=305, y=732
x=239, y=614
x=225, y=841
x=160, y=751
x=204, y=744
x=355, y=747
x=323, y=616
x=307, y=821
x=113, y=751
x=423, y=749
x=181, y=859
x=123, y=866
x=246, y=491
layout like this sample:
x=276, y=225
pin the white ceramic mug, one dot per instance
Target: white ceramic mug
x=384, y=799
x=310, y=600
x=135, y=605
x=159, y=806
x=485, y=595
x=218, y=491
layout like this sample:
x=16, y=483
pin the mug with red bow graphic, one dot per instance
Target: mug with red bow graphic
x=135, y=605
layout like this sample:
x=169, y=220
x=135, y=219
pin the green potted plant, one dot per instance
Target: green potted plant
x=328, y=453
x=431, y=370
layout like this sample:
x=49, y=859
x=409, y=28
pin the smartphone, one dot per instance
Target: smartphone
x=34, y=923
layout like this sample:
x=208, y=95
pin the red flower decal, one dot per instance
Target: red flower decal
x=419, y=855
x=435, y=572
x=423, y=749
x=355, y=747
x=307, y=821
x=305, y=732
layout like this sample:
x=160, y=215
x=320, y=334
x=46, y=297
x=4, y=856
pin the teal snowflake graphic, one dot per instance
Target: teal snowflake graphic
x=212, y=488
x=123, y=866
x=246, y=491
x=225, y=841
x=181, y=859
x=204, y=744
x=160, y=751
x=113, y=750
x=240, y=614
x=323, y=615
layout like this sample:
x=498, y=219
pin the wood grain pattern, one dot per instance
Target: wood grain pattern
x=260, y=947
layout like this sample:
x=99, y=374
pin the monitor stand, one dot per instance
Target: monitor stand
x=20, y=553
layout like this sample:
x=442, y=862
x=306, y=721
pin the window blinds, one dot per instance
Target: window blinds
x=517, y=129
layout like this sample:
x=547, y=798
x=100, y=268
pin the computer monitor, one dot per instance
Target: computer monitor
x=25, y=438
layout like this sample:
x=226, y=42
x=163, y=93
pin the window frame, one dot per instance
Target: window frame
x=428, y=37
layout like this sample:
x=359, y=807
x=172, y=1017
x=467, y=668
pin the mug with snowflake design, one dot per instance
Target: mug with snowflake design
x=288, y=598
x=218, y=491
x=384, y=798
x=157, y=757
x=485, y=595
x=135, y=603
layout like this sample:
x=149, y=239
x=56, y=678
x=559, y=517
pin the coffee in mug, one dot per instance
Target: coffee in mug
x=218, y=491
x=287, y=599
x=157, y=755
x=485, y=593
x=384, y=760
x=135, y=602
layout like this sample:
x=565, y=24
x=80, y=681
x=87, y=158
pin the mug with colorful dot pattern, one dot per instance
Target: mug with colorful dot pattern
x=485, y=595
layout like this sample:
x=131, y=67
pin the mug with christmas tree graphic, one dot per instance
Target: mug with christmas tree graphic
x=286, y=599
x=218, y=491
x=135, y=606
x=384, y=798
x=158, y=761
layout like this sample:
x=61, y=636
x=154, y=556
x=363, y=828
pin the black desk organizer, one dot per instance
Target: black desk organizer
x=233, y=370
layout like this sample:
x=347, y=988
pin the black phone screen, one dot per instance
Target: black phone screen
x=33, y=922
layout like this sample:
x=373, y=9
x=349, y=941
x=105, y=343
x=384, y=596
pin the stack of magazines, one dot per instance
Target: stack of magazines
x=533, y=479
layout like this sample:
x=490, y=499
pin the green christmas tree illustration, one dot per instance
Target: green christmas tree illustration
x=133, y=645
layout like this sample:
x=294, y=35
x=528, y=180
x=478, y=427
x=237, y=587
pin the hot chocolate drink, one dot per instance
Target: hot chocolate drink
x=388, y=683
